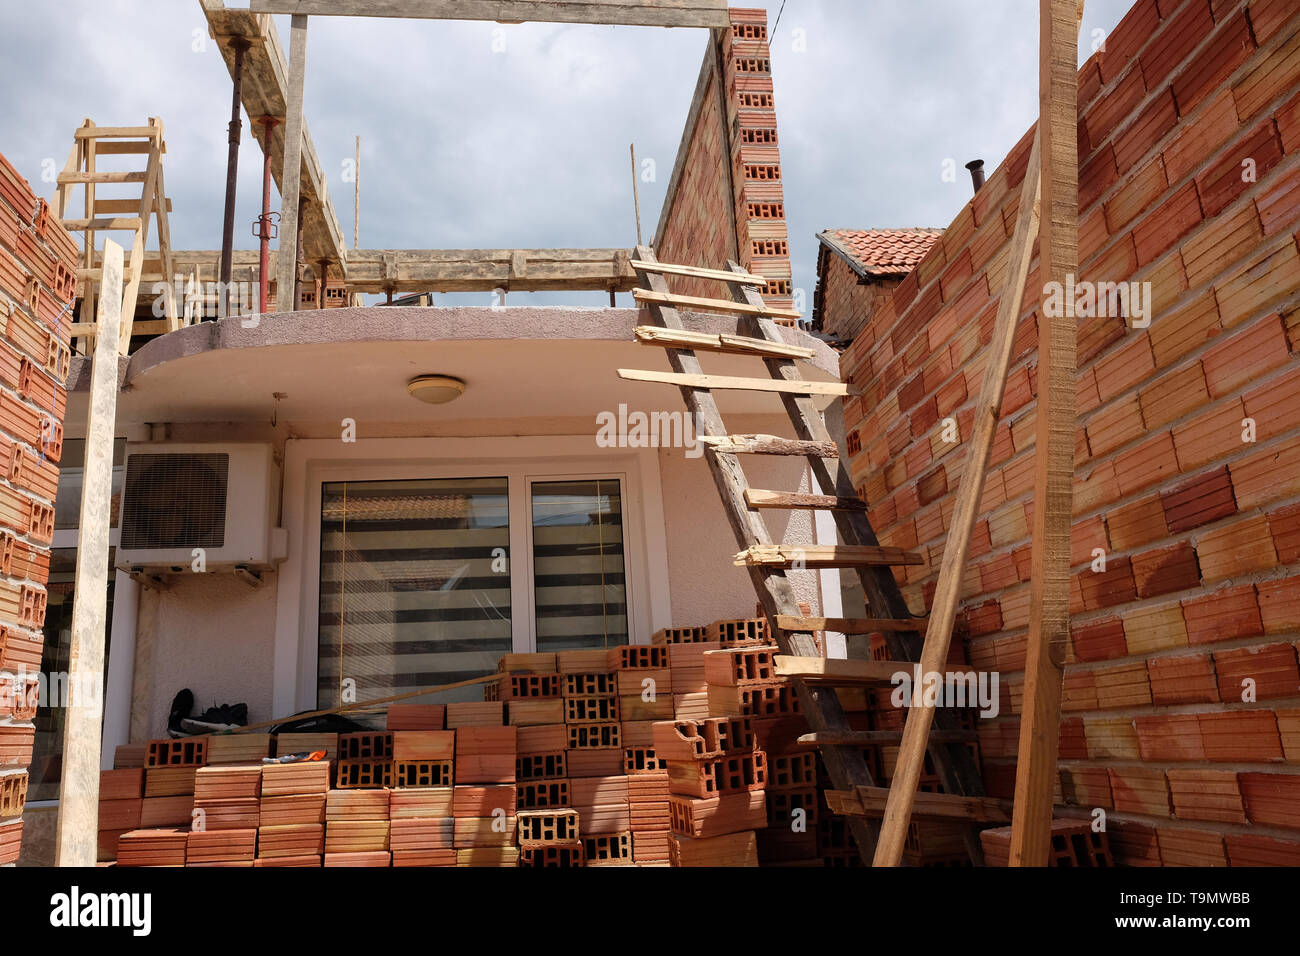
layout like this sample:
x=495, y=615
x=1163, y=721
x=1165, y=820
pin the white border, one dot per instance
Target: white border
x=308, y=463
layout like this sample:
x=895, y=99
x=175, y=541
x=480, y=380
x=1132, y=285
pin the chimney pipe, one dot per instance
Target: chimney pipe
x=976, y=167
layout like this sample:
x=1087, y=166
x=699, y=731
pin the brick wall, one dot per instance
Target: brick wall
x=1200, y=528
x=38, y=262
x=845, y=300
x=696, y=226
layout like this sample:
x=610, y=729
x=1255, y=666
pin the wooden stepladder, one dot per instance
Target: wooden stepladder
x=767, y=561
x=131, y=215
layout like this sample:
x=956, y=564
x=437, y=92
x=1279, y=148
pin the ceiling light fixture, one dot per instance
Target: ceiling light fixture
x=435, y=389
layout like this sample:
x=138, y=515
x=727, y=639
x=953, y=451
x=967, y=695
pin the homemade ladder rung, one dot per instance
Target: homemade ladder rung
x=800, y=556
x=847, y=672
x=695, y=303
x=699, y=272
x=851, y=625
x=877, y=738
x=717, y=342
x=788, y=500
x=870, y=802
x=768, y=445
x=691, y=380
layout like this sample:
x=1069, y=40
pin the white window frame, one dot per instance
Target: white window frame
x=311, y=463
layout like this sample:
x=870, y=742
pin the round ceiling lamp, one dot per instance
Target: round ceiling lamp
x=436, y=389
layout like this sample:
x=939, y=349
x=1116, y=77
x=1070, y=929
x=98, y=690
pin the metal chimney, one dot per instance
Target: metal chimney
x=976, y=167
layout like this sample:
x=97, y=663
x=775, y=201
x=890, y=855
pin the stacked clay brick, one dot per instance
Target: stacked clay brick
x=698, y=222
x=37, y=284
x=1181, y=709
x=561, y=767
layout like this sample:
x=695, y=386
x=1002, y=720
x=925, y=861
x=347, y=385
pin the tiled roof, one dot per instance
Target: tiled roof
x=881, y=252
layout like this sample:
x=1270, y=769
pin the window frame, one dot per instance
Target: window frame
x=309, y=464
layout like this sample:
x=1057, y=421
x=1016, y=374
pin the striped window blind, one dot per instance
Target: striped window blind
x=413, y=591
x=578, y=571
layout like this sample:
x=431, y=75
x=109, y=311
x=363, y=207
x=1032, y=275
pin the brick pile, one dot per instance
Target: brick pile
x=1181, y=711
x=732, y=161
x=38, y=263
x=625, y=772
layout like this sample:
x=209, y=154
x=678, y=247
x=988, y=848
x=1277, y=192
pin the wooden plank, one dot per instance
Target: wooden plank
x=840, y=671
x=95, y=223
x=825, y=556
x=820, y=706
x=76, y=835
x=650, y=13
x=122, y=205
x=709, y=341
x=482, y=270
x=290, y=186
x=870, y=801
x=692, y=380
x=115, y=132
x=125, y=147
x=850, y=625
x=762, y=498
x=745, y=278
x=695, y=303
x=877, y=738
x=769, y=445
x=1049, y=601
x=943, y=607
x=134, y=176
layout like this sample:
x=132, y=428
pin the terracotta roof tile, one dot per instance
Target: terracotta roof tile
x=882, y=252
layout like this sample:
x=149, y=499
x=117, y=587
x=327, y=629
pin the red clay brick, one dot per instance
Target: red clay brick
x=1245, y=736
x=1165, y=570
x=1108, y=588
x=1199, y=501
x=1245, y=355
x=1224, y=615
x=1284, y=524
x=1214, y=433
x=1272, y=668
x=1139, y=790
x=1185, y=29
x=1169, y=737
x=1206, y=795
x=1182, y=679
x=1247, y=849
x=1113, y=108
x=1226, y=178
x=1167, y=224
x=1230, y=47
x=1190, y=848
x=1216, y=124
x=1151, y=126
x=1279, y=605
x=1099, y=640
x=1238, y=548
x=1272, y=799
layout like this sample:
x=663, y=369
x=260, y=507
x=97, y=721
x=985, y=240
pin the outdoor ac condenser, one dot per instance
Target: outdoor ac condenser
x=218, y=497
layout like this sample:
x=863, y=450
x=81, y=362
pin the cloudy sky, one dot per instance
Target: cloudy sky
x=478, y=135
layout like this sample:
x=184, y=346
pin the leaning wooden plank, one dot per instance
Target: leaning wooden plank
x=694, y=303
x=824, y=556
x=840, y=671
x=290, y=186
x=849, y=625
x=722, y=275
x=1049, y=562
x=762, y=498
x=735, y=344
x=943, y=613
x=870, y=801
x=732, y=382
x=769, y=445
x=649, y=13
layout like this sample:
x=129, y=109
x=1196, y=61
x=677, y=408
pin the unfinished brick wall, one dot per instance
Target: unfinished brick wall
x=38, y=262
x=845, y=300
x=1181, y=713
x=737, y=164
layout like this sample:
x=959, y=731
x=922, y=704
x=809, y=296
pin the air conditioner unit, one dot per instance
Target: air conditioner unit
x=218, y=497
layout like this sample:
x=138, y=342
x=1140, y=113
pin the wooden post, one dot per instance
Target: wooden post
x=1049, y=602
x=291, y=176
x=356, y=199
x=636, y=200
x=77, y=835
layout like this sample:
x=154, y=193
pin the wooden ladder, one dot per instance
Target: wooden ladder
x=131, y=215
x=767, y=562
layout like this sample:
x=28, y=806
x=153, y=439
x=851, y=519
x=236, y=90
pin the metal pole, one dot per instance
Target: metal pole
x=239, y=44
x=636, y=197
x=264, y=222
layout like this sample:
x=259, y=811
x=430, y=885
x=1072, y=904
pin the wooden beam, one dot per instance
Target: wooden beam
x=870, y=801
x=482, y=270
x=874, y=738
x=76, y=835
x=722, y=275
x=714, y=342
x=839, y=671
x=733, y=382
x=648, y=13
x=799, y=556
x=850, y=625
x=790, y=500
x=289, y=195
x=947, y=595
x=695, y=303
x=1049, y=600
x=769, y=445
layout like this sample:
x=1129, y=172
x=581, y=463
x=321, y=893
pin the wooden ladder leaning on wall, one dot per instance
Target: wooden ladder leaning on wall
x=814, y=678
